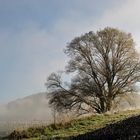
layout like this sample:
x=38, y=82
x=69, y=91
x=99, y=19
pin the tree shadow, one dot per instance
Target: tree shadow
x=128, y=129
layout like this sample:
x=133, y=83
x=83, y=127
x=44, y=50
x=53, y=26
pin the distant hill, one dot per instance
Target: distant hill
x=35, y=107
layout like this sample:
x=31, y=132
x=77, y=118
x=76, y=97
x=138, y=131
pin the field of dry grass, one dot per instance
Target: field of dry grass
x=72, y=128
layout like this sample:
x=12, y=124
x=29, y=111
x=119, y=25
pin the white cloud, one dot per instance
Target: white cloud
x=40, y=51
x=36, y=53
x=124, y=16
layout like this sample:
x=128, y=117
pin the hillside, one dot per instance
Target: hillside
x=128, y=129
x=25, y=112
x=35, y=107
x=34, y=110
x=121, y=125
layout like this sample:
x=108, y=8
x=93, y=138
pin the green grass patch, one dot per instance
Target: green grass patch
x=77, y=126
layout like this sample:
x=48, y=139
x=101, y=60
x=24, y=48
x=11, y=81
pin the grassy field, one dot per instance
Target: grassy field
x=74, y=127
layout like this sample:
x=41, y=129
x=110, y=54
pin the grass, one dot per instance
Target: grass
x=76, y=127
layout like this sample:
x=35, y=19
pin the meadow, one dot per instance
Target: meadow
x=72, y=128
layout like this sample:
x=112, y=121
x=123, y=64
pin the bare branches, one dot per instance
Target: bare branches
x=107, y=66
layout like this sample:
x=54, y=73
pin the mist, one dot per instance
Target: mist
x=35, y=110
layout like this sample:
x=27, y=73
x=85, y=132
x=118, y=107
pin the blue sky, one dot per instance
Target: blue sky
x=33, y=34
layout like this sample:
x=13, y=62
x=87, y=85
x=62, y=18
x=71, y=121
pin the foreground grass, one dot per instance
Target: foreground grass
x=75, y=127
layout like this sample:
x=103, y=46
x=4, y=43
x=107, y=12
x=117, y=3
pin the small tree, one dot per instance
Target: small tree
x=106, y=66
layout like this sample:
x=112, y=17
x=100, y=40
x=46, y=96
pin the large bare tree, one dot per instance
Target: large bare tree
x=106, y=66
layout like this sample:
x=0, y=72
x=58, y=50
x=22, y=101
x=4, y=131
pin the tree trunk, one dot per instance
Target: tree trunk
x=108, y=105
x=102, y=104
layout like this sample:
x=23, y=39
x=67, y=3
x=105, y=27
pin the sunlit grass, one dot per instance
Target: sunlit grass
x=77, y=126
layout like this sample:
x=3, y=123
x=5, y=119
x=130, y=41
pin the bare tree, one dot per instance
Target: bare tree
x=106, y=66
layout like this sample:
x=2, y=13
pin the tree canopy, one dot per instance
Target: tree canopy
x=107, y=66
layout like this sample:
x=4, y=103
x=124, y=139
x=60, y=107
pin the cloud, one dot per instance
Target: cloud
x=125, y=17
x=121, y=14
x=31, y=52
x=28, y=57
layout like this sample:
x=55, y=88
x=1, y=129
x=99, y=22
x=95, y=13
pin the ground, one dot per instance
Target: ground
x=115, y=126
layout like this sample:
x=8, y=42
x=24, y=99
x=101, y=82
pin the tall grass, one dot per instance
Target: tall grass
x=73, y=127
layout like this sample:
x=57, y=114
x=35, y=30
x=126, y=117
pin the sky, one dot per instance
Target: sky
x=34, y=33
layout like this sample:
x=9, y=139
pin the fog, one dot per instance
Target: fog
x=34, y=107
x=35, y=110
x=22, y=113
